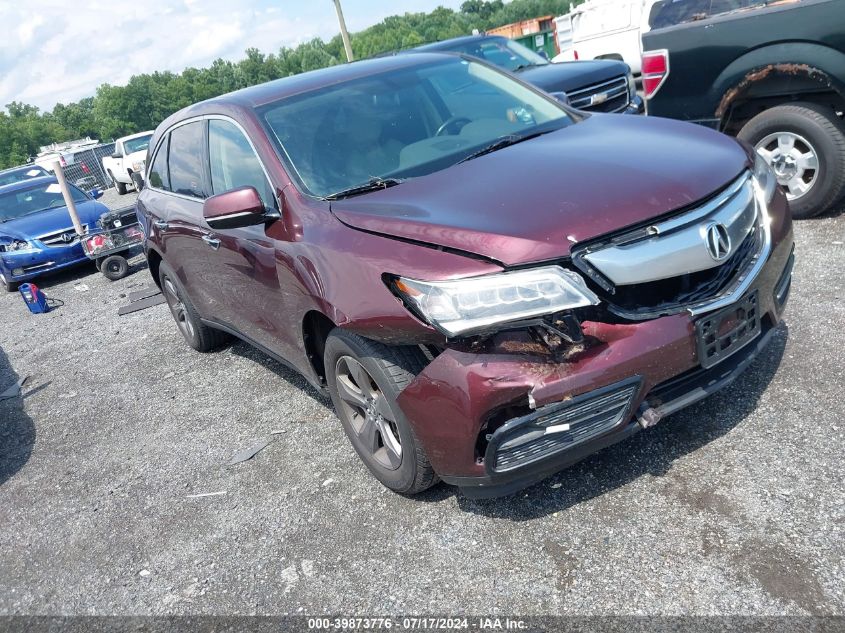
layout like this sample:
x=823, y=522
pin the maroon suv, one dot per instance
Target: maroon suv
x=490, y=284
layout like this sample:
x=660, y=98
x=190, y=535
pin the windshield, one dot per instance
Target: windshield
x=21, y=202
x=503, y=53
x=403, y=123
x=139, y=144
x=24, y=173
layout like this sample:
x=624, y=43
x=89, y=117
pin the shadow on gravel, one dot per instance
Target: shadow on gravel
x=649, y=452
x=245, y=350
x=17, y=431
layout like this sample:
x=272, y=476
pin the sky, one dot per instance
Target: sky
x=55, y=51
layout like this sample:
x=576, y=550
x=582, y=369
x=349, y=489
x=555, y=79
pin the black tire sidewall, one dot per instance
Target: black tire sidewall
x=402, y=479
x=781, y=119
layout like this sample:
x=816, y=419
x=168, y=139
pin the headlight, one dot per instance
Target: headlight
x=138, y=166
x=765, y=177
x=475, y=303
x=17, y=246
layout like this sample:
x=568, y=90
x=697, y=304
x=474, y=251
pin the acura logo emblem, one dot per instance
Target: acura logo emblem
x=67, y=238
x=718, y=241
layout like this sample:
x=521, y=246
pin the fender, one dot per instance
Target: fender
x=805, y=64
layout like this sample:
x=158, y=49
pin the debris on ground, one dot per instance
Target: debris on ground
x=249, y=453
x=207, y=494
x=14, y=390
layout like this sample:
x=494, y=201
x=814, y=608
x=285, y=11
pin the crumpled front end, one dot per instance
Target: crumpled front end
x=497, y=414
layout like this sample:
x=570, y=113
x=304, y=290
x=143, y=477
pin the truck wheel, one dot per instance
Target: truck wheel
x=364, y=379
x=121, y=188
x=805, y=145
x=114, y=267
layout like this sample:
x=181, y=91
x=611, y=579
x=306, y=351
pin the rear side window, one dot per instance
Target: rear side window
x=159, y=178
x=184, y=160
x=234, y=163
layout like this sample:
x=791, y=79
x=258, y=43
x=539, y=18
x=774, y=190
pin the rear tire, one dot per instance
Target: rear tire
x=198, y=335
x=364, y=379
x=817, y=137
x=114, y=267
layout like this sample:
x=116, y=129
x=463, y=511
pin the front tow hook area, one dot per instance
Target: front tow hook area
x=648, y=417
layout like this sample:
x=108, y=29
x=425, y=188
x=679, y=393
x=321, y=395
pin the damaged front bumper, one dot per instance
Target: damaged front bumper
x=497, y=420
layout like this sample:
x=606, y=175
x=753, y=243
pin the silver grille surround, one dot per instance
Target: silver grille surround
x=582, y=99
x=741, y=280
x=54, y=238
x=678, y=246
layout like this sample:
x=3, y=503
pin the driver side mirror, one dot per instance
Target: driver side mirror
x=236, y=208
x=116, y=155
x=95, y=193
x=543, y=54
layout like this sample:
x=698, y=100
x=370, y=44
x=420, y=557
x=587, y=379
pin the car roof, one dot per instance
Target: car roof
x=26, y=184
x=446, y=45
x=10, y=170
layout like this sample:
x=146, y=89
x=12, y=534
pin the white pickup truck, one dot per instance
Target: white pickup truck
x=126, y=165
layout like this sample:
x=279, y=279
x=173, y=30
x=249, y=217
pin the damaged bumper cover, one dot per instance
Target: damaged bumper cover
x=496, y=421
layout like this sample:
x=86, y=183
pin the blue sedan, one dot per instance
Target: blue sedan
x=36, y=232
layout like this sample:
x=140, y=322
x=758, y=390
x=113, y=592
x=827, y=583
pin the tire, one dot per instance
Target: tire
x=121, y=187
x=198, y=335
x=114, y=267
x=814, y=130
x=390, y=370
x=9, y=285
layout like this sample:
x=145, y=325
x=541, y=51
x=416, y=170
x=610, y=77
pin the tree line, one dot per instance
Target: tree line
x=148, y=99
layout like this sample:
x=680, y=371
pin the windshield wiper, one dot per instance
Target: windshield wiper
x=502, y=142
x=373, y=184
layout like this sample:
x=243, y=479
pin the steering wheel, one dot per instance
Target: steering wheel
x=449, y=122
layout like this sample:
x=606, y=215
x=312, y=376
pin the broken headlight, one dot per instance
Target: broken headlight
x=463, y=306
x=765, y=178
x=17, y=246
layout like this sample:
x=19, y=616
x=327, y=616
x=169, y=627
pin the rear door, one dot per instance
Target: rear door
x=173, y=211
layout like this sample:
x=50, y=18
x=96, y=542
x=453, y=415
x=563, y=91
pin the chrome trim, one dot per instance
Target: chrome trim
x=613, y=89
x=679, y=246
x=53, y=239
x=743, y=281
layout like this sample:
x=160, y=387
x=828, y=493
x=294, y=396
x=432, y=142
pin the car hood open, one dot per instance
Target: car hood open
x=533, y=201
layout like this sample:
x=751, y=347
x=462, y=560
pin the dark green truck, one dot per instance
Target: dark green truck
x=771, y=73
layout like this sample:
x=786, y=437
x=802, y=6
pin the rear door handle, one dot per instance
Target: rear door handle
x=161, y=225
x=213, y=242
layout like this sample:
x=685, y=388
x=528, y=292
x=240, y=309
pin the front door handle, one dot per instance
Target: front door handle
x=161, y=225
x=213, y=242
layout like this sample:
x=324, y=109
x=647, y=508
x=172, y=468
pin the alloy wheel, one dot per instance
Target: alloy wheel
x=793, y=159
x=367, y=409
x=177, y=308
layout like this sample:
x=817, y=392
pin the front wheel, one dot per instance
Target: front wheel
x=9, y=285
x=804, y=144
x=364, y=380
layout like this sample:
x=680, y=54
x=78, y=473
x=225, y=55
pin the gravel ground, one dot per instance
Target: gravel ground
x=734, y=506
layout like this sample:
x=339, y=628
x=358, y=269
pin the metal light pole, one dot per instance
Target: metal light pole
x=343, y=33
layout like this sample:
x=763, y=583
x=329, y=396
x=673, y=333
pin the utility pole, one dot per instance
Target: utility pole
x=343, y=33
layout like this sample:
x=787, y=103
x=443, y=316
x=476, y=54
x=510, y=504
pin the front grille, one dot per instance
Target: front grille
x=636, y=272
x=65, y=237
x=672, y=294
x=543, y=433
x=607, y=96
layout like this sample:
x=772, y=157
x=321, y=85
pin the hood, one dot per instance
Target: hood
x=569, y=76
x=136, y=157
x=532, y=201
x=31, y=226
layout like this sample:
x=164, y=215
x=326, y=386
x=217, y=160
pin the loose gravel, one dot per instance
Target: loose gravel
x=116, y=497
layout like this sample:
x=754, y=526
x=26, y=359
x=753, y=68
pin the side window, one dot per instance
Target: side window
x=184, y=160
x=159, y=177
x=234, y=163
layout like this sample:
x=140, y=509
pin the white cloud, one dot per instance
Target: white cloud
x=54, y=51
